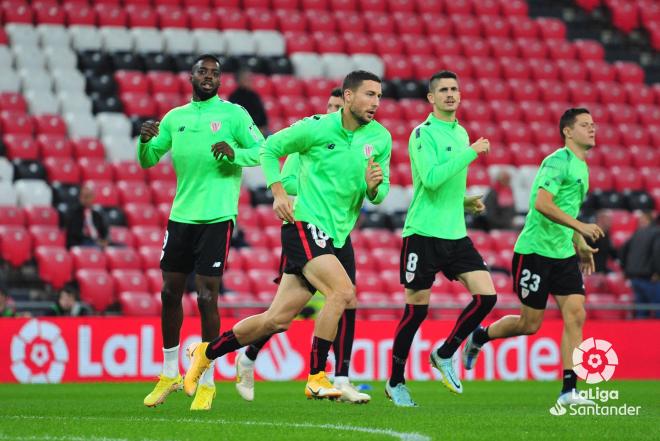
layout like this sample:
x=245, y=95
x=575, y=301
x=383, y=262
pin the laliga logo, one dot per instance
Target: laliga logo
x=279, y=361
x=594, y=360
x=38, y=353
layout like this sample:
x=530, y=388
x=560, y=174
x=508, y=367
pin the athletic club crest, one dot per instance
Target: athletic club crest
x=368, y=150
x=525, y=293
x=215, y=126
x=409, y=276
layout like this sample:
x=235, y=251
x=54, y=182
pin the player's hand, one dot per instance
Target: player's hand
x=481, y=146
x=221, y=149
x=148, y=130
x=586, y=255
x=473, y=204
x=281, y=203
x=373, y=175
x=590, y=231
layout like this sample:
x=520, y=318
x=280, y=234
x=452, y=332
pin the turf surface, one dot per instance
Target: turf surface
x=486, y=411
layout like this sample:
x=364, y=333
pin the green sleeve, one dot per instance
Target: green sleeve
x=149, y=153
x=432, y=171
x=383, y=159
x=293, y=139
x=552, y=173
x=249, y=139
x=290, y=171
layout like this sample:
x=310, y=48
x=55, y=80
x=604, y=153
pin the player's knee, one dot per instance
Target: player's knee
x=206, y=300
x=169, y=296
x=530, y=327
x=343, y=296
x=276, y=325
x=575, y=317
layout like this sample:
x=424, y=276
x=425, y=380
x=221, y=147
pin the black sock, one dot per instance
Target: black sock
x=253, y=350
x=570, y=381
x=467, y=322
x=343, y=344
x=319, y=355
x=480, y=336
x=413, y=316
x=222, y=345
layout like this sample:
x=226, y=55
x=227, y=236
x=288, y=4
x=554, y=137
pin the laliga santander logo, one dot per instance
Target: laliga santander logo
x=279, y=361
x=38, y=353
x=595, y=360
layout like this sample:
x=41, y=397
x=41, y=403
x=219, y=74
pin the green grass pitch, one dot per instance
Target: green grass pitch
x=485, y=411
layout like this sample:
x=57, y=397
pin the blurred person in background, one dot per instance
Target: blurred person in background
x=603, y=244
x=6, y=304
x=246, y=96
x=640, y=259
x=85, y=224
x=67, y=304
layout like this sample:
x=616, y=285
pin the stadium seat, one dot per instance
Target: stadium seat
x=141, y=214
x=136, y=303
x=386, y=258
x=87, y=258
x=121, y=258
x=150, y=257
x=128, y=280
x=15, y=244
x=55, y=266
x=96, y=288
x=11, y=215
x=46, y=235
x=154, y=280
x=258, y=259
x=41, y=215
x=236, y=280
x=20, y=146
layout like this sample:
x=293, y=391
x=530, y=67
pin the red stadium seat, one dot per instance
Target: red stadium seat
x=163, y=171
x=533, y=111
x=258, y=258
x=515, y=69
x=163, y=192
x=202, y=18
x=41, y=215
x=154, y=280
x=150, y=257
x=128, y=171
x=17, y=13
x=625, y=178
x=370, y=282
x=138, y=304
x=531, y=49
x=49, y=125
x=231, y=18
x=523, y=27
x=291, y=21
x=171, y=16
x=62, y=170
x=259, y=19
x=375, y=238
x=503, y=239
x=95, y=169
x=146, y=235
x=15, y=244
x=79, y=14
x=20, y=146
x=138, y=104
x=54, y=265
x=267, y=217
x=96, y=288
x=236, y=280
x=47, y=235
x=315, y=5
x=321, y=21
x=600, y=179
x=582, y=92
x=111, y=15
x=128, y=280
x=121, y=236
x=10, y=215
x=365, y=262
x=54, y=146
x=88, y=148
x=105, y=193
x=141, y=214
x=133, y=192
x=386, y=258
x=551, y=28
x=87, y=258
x=13, y=102
x=121, y=258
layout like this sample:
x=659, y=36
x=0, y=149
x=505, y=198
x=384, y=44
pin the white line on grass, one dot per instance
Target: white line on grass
x=403, y=436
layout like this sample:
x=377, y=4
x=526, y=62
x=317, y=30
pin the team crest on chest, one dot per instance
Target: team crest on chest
x=215, y=126
x=368, y=150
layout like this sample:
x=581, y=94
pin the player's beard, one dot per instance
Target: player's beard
x=204, y=95
x=359, y=118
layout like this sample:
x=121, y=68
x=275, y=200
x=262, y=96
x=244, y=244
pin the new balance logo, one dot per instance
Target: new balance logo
x=182, y=128
x=331, y=146
x=217, y=264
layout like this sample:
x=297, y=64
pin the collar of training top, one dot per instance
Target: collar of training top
x=434, y=120
x=206, y=103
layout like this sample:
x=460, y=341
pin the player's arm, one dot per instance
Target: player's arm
x=154, y=141
x=432, y=171
x=249, y=139
x=378, y=174
x=293, y=139
x=290, y=172
x=551, y=175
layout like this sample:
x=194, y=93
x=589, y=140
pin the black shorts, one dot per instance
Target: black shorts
x=202, y=247
x=536, y=276
x=302, y=241
x=423, y=257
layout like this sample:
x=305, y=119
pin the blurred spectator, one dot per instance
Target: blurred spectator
x=248, y=98
x=604, y=244
x=6, y=304
x=500, y=208
x=68, y=305
x=85, y=225
x=640, y=258
x=336, y=100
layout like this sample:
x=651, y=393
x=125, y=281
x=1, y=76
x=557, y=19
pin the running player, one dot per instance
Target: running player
x=545, y=260
x=344, y=157
x=210, y=140
x=343, y=343
x=435, y=237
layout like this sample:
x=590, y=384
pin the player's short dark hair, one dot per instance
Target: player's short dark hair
x=354, y=79
x=568, y=119
x=205, y=57
x=440, y=75
x=336, y=92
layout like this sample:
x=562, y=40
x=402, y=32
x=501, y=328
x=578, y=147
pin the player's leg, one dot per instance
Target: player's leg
x=291, y=296
x=176, y=263
x=327, y=274
x=465, y=264
x=416, y=274
x=531, y=278
x=343, y=343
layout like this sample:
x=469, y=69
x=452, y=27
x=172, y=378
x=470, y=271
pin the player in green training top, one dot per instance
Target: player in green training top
x=344, y=157
x=210, y=140
x=435, y=237
x=545, y=260
x=343, y=343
